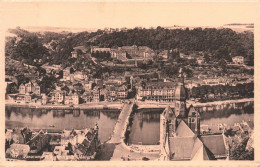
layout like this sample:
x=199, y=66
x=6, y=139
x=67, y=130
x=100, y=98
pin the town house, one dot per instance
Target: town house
x=238, y=60
x=96, y=94
x=57, y=96
x=38, y=142
x=71, y=99
x=87, y=96
x=28, y=88
x=122, y=92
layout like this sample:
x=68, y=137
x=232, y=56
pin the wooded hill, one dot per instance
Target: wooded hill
x=56, y=47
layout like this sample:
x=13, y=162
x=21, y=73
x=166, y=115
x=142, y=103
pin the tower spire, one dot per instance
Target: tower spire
x=181, y=77
x=180, y=96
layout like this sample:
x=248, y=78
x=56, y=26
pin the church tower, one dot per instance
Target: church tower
x=180, y=96
x=194, y=120
x=171, y=121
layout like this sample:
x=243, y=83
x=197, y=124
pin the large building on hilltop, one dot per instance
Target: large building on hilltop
x=127, y=53
x=180, y=137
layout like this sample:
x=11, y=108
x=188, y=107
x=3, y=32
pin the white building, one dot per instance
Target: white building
x=238, y=60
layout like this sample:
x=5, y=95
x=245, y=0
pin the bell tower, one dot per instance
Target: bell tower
x=180, y=96
x=194, y=120
x=170, y=121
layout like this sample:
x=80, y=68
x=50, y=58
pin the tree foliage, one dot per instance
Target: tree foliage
x=56, y=47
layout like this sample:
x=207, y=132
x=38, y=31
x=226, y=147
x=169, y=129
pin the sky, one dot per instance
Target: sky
x=126, y=14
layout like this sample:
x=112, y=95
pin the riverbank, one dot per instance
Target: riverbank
x=98, y=105
x=119, y=105
x=154, y=104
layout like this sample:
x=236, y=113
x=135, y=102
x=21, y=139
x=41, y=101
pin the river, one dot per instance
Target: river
x=62, y=119
x=146, y=123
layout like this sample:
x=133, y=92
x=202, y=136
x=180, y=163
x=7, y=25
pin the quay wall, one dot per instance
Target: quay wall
x=98, y=106
x=154, y=104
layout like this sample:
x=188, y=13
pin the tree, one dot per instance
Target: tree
x=206, y=58
x=72, y=70
x=79, y=52
x=70, y=148
x=223, y=64
x=60, y=74
x=11, y=88
x=195, y=92
x=238, y=151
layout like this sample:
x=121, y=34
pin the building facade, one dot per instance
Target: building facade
x=238, y=60
x=156, y=91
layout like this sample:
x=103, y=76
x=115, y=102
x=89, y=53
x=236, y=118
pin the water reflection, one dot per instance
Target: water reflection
x=146, y=127
x=62, y=119
x=225, y=111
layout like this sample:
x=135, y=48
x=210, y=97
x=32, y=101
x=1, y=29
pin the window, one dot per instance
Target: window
x=192, y=120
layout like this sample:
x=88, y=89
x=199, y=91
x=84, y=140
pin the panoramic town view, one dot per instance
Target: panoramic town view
x=130, y=94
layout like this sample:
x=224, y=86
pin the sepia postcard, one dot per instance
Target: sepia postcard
x=127, y=83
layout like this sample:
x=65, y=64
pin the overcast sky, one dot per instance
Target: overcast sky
x=100, y=15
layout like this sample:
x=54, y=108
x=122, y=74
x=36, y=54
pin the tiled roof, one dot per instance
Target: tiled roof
x=201, y=152
x=86, y=143
x=196, y=148
x=168, y=113
x=181, y=147
x=90, y=136
x=215, y=143
x=250, y=124
x=192, y=110
x=83, y=148
x=21, y=149
x=183, y=130
x=186, y=148
x=159, y=85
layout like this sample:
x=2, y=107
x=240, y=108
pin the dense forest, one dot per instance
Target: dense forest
x=56, y=47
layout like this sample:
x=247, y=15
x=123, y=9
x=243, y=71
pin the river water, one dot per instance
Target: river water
x=146, y=123
x=62, y=119
x=145, y=128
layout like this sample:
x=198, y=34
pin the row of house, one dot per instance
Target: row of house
x=59, y=96
x=74, y=145
x=89, y=92
x=24, y=142
x=78, y=75
x=29, y=87
x=67, y=145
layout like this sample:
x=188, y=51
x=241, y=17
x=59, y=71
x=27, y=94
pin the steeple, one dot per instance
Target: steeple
x=194, y=120
x=171, y=121
x=180, y=77
x=180, y=96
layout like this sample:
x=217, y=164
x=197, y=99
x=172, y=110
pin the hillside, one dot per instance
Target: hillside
x=56, y=47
